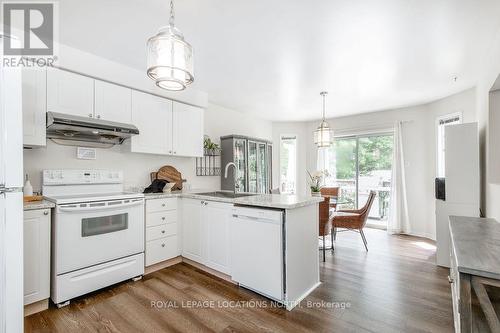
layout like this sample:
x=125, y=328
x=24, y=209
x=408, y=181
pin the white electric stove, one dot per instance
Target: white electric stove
x=97, y=231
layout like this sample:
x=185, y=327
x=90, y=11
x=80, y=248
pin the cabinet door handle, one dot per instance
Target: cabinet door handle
x=98, y=116
x=175, y=152
x=170, y=152
x=163, y=231
x=163, y=245
x=90, y=115
x=450, y=280
x=163, y=205
x=46, y=213
x=163, y=218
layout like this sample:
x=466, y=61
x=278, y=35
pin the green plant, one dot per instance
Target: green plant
x=208, y=144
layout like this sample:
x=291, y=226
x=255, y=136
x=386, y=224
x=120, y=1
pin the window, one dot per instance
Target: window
x=441, y=123
x=288, y=164
x=357, y=165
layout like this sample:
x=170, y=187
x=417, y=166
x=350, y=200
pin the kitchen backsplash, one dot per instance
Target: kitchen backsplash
x=136, y=167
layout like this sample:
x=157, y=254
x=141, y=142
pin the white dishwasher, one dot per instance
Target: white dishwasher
x=258, y=250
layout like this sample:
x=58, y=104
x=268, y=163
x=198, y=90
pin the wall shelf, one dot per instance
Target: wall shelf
x=209, y=164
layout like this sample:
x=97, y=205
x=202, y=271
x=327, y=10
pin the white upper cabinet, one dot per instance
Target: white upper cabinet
x=34, y=90
x=153, y=117
x=70, y=93
x=188, y=130
x=113, y=102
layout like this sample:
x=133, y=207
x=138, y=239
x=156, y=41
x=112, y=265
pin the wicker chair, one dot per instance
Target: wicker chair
x=333, y=192
x=325, y=223
x=353, y=219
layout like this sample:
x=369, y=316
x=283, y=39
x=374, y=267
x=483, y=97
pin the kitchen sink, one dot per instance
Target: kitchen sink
x=223, y=194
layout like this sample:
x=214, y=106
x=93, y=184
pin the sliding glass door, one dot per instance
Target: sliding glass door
x=361, y=164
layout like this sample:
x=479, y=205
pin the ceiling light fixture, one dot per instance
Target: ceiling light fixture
x=170, y=57
x=323, y=135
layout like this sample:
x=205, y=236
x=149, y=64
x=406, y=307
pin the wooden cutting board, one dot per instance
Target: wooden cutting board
x=170, y=174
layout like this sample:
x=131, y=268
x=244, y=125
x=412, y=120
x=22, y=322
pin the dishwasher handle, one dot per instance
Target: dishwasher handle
x=255, y=218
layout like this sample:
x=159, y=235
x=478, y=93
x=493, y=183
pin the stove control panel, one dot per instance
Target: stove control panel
x=76, y=177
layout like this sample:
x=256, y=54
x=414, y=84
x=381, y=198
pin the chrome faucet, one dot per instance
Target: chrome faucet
x=235, y=176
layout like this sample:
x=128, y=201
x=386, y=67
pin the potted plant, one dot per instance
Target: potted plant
x=316, y=181
x=211, y=148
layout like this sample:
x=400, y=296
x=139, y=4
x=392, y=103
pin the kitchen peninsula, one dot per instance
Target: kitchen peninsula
x=265, y=242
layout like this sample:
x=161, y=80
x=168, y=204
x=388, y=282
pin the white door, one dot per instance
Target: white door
x=113, y=102
x=192, y=229
x=70, y=93
x=11, y=269
x=36, y=255
x=34, y=90
x=187, y=130
x=153, y=116
x=217, y=217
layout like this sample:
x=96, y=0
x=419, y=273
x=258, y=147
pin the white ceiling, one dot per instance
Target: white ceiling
x=272, y=58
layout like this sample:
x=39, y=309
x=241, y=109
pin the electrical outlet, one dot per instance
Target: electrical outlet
x=84, y=153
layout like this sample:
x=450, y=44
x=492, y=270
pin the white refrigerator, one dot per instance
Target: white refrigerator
x=462, y=184
x=11, y=198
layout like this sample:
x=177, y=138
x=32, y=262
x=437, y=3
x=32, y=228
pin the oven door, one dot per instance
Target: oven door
x=86, y=234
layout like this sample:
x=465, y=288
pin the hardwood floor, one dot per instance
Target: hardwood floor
x=395, y=287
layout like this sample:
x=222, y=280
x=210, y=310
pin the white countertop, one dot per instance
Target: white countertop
x=281, y=201
x=34, y=205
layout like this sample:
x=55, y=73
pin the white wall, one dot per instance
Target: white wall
x=419, y=140
x=218, y=121
x=489, y=128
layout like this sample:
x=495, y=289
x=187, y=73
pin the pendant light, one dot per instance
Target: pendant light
x=323, y=135
x=170, y=57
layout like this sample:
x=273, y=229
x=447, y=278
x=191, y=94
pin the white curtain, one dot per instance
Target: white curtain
x=399, y=221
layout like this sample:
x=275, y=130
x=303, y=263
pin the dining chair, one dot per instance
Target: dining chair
x=325, y=222
x=353, y=219
x=333, y=192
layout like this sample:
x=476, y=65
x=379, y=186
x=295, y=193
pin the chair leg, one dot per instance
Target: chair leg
x=334, y=233
x=331, y=235
x=364, y=239
x=324, y=249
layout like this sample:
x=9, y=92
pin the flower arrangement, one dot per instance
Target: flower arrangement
x=316, y=180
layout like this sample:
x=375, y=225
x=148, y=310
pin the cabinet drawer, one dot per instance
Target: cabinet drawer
x=161, y=231
x=153, y=219
x=161, y=249
x=156, y=205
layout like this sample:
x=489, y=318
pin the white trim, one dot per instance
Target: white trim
x=363, y=131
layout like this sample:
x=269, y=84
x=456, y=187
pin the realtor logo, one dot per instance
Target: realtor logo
x=33, y=26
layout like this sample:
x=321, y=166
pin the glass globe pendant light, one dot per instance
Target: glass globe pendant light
x=323, y=135
x=170, y=57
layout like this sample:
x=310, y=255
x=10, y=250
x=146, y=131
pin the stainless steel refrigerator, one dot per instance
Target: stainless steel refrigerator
x=11, y=198
x=253, y=159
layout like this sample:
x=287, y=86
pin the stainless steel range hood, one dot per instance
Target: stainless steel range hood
x=82, y=129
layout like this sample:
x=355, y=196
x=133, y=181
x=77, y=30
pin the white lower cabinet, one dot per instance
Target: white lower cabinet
x=161, y=230
x=206, y=233
x=191, y=229
x=36, y=255
x=216, y=235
